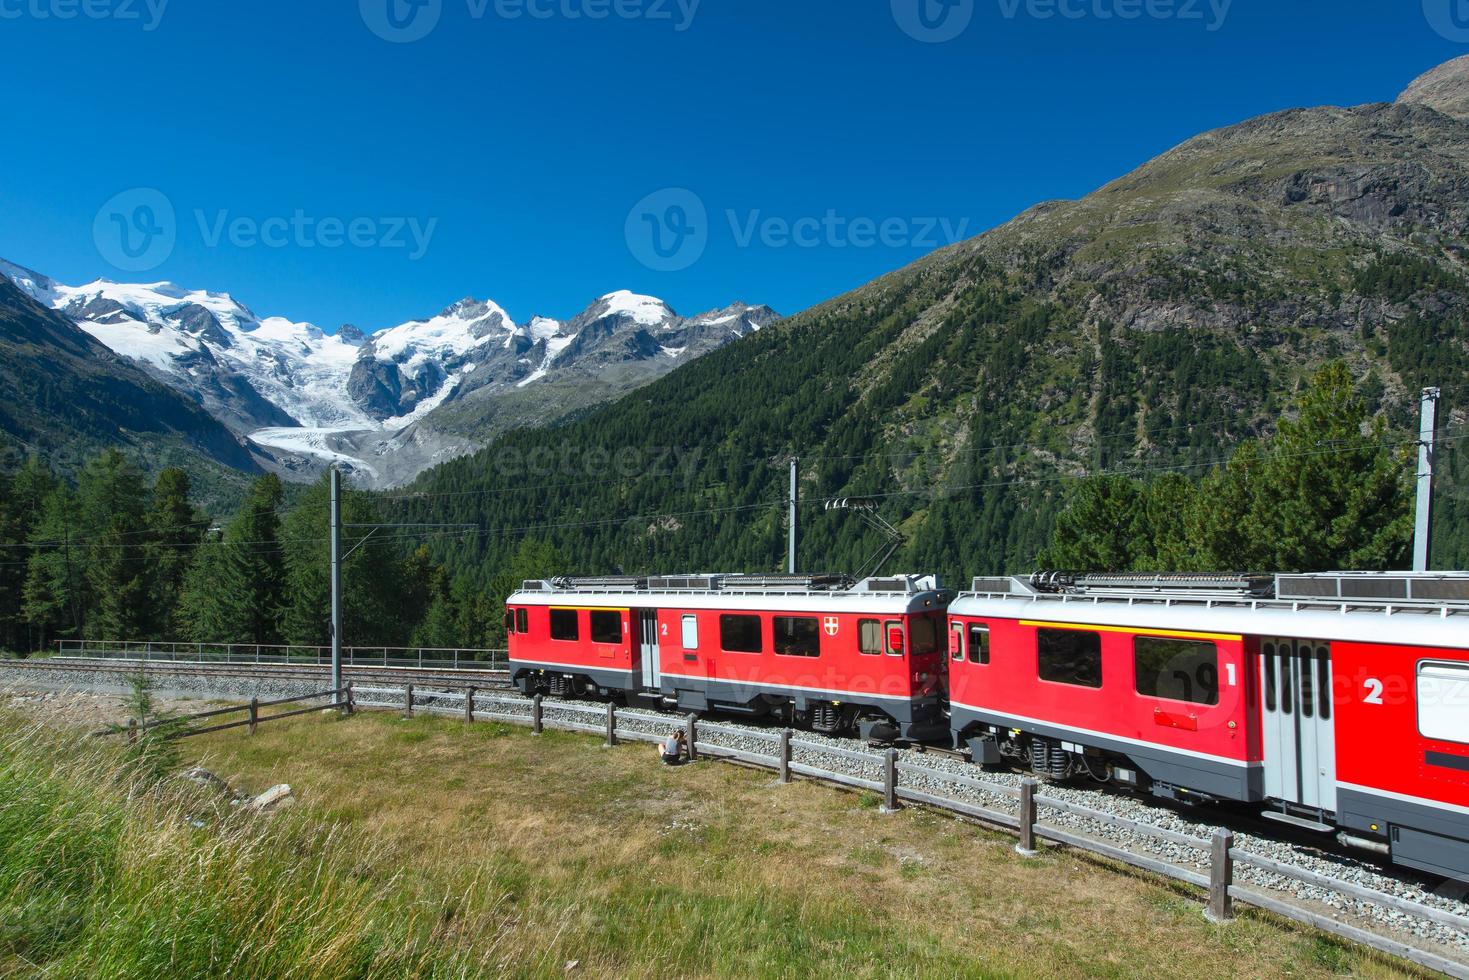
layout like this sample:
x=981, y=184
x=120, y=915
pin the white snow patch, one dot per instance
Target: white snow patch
x=646, y=310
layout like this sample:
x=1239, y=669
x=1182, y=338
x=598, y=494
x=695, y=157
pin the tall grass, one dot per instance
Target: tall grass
x=107, y=871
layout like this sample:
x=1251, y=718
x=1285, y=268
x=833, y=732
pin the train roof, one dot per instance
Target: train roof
x=1391, y=608
x=887, y=595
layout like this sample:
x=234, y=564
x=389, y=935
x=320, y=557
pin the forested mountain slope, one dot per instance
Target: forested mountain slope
x=1151, y=325
x=63, y=395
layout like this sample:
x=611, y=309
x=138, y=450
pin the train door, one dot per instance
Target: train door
x=648, y=638
x=1299, y=732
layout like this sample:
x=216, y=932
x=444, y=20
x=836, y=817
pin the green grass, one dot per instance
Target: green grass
x=431, y=848
x=107, y=872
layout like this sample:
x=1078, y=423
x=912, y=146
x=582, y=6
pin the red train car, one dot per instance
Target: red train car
x=1334, y=701
x=837, y=655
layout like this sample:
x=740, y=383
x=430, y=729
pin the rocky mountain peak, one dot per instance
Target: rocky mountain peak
x=352, y=334
x=1445, y=88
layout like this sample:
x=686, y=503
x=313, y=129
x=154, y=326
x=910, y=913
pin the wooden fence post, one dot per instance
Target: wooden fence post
x=890, y=781
x=132, y=731
x=691, y=736
x=408, y=702
x=1221, y=876
x=351, y=700
x=611, y=724
x=785, y=756
x=254, y=714
x=537, y=716
x=469, y=706
x=1026, y=847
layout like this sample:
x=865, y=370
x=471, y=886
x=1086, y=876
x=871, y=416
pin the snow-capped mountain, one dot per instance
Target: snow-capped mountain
x=308, y=397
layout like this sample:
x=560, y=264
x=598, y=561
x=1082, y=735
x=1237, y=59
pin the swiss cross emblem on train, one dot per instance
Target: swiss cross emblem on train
x=832, y=625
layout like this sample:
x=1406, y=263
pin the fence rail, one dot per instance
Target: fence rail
x=172, y=729
x=702, y=738
x=260, y=653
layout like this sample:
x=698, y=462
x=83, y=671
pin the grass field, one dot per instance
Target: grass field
x=485, y=850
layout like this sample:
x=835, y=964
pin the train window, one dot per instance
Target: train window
x=797, y=636
x=1443, y=701
x=691, y=632
x=869, y=637
x=606, y=627
x=522, y=621
x=1307, y=665
x=893, y=641
x=1070, y=657
x=564, y=625
x=979, y=644
x=1287, y=673
x=1177, y=670
x=923, y=635
x=510, y=620
x=1267, y=664
x=956, y=642
x=1323, y=680
x=740, y=634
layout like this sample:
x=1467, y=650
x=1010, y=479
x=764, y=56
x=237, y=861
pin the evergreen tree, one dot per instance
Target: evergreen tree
x=52, y=598
x=111, y=503
x=177, y=528
x=234, y=592
x=1101, y=529
x=22, y=502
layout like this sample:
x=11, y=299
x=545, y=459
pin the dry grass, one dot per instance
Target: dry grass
x=552, y=851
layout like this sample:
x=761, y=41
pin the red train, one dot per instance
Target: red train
x=817, y=650
x=1329, y=701
x=1333, y=701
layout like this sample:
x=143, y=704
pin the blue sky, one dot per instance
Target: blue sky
x=523, y=143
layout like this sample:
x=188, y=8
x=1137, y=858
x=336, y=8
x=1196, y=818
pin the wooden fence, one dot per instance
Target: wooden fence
x=183, y=726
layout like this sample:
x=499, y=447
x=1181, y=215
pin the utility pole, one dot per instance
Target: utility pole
x=1427, y=431
x=339, y=558
x=795, y=490
x=336, y=548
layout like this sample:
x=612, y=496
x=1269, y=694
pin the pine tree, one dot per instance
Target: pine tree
x=111, y=502
x=234, y=592
x=52, y=598
x=177, y=528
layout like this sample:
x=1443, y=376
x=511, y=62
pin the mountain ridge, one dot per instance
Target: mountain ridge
x=306, y=398
x=1146, y=327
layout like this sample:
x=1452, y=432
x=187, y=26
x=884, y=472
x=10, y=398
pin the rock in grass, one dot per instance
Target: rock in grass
x=199, y=774
x=275, y=798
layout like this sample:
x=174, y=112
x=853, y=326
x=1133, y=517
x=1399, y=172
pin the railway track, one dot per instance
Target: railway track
x=483, y=679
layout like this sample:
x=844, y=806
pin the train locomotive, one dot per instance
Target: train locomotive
x=1334, y=702
x=836, y=655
